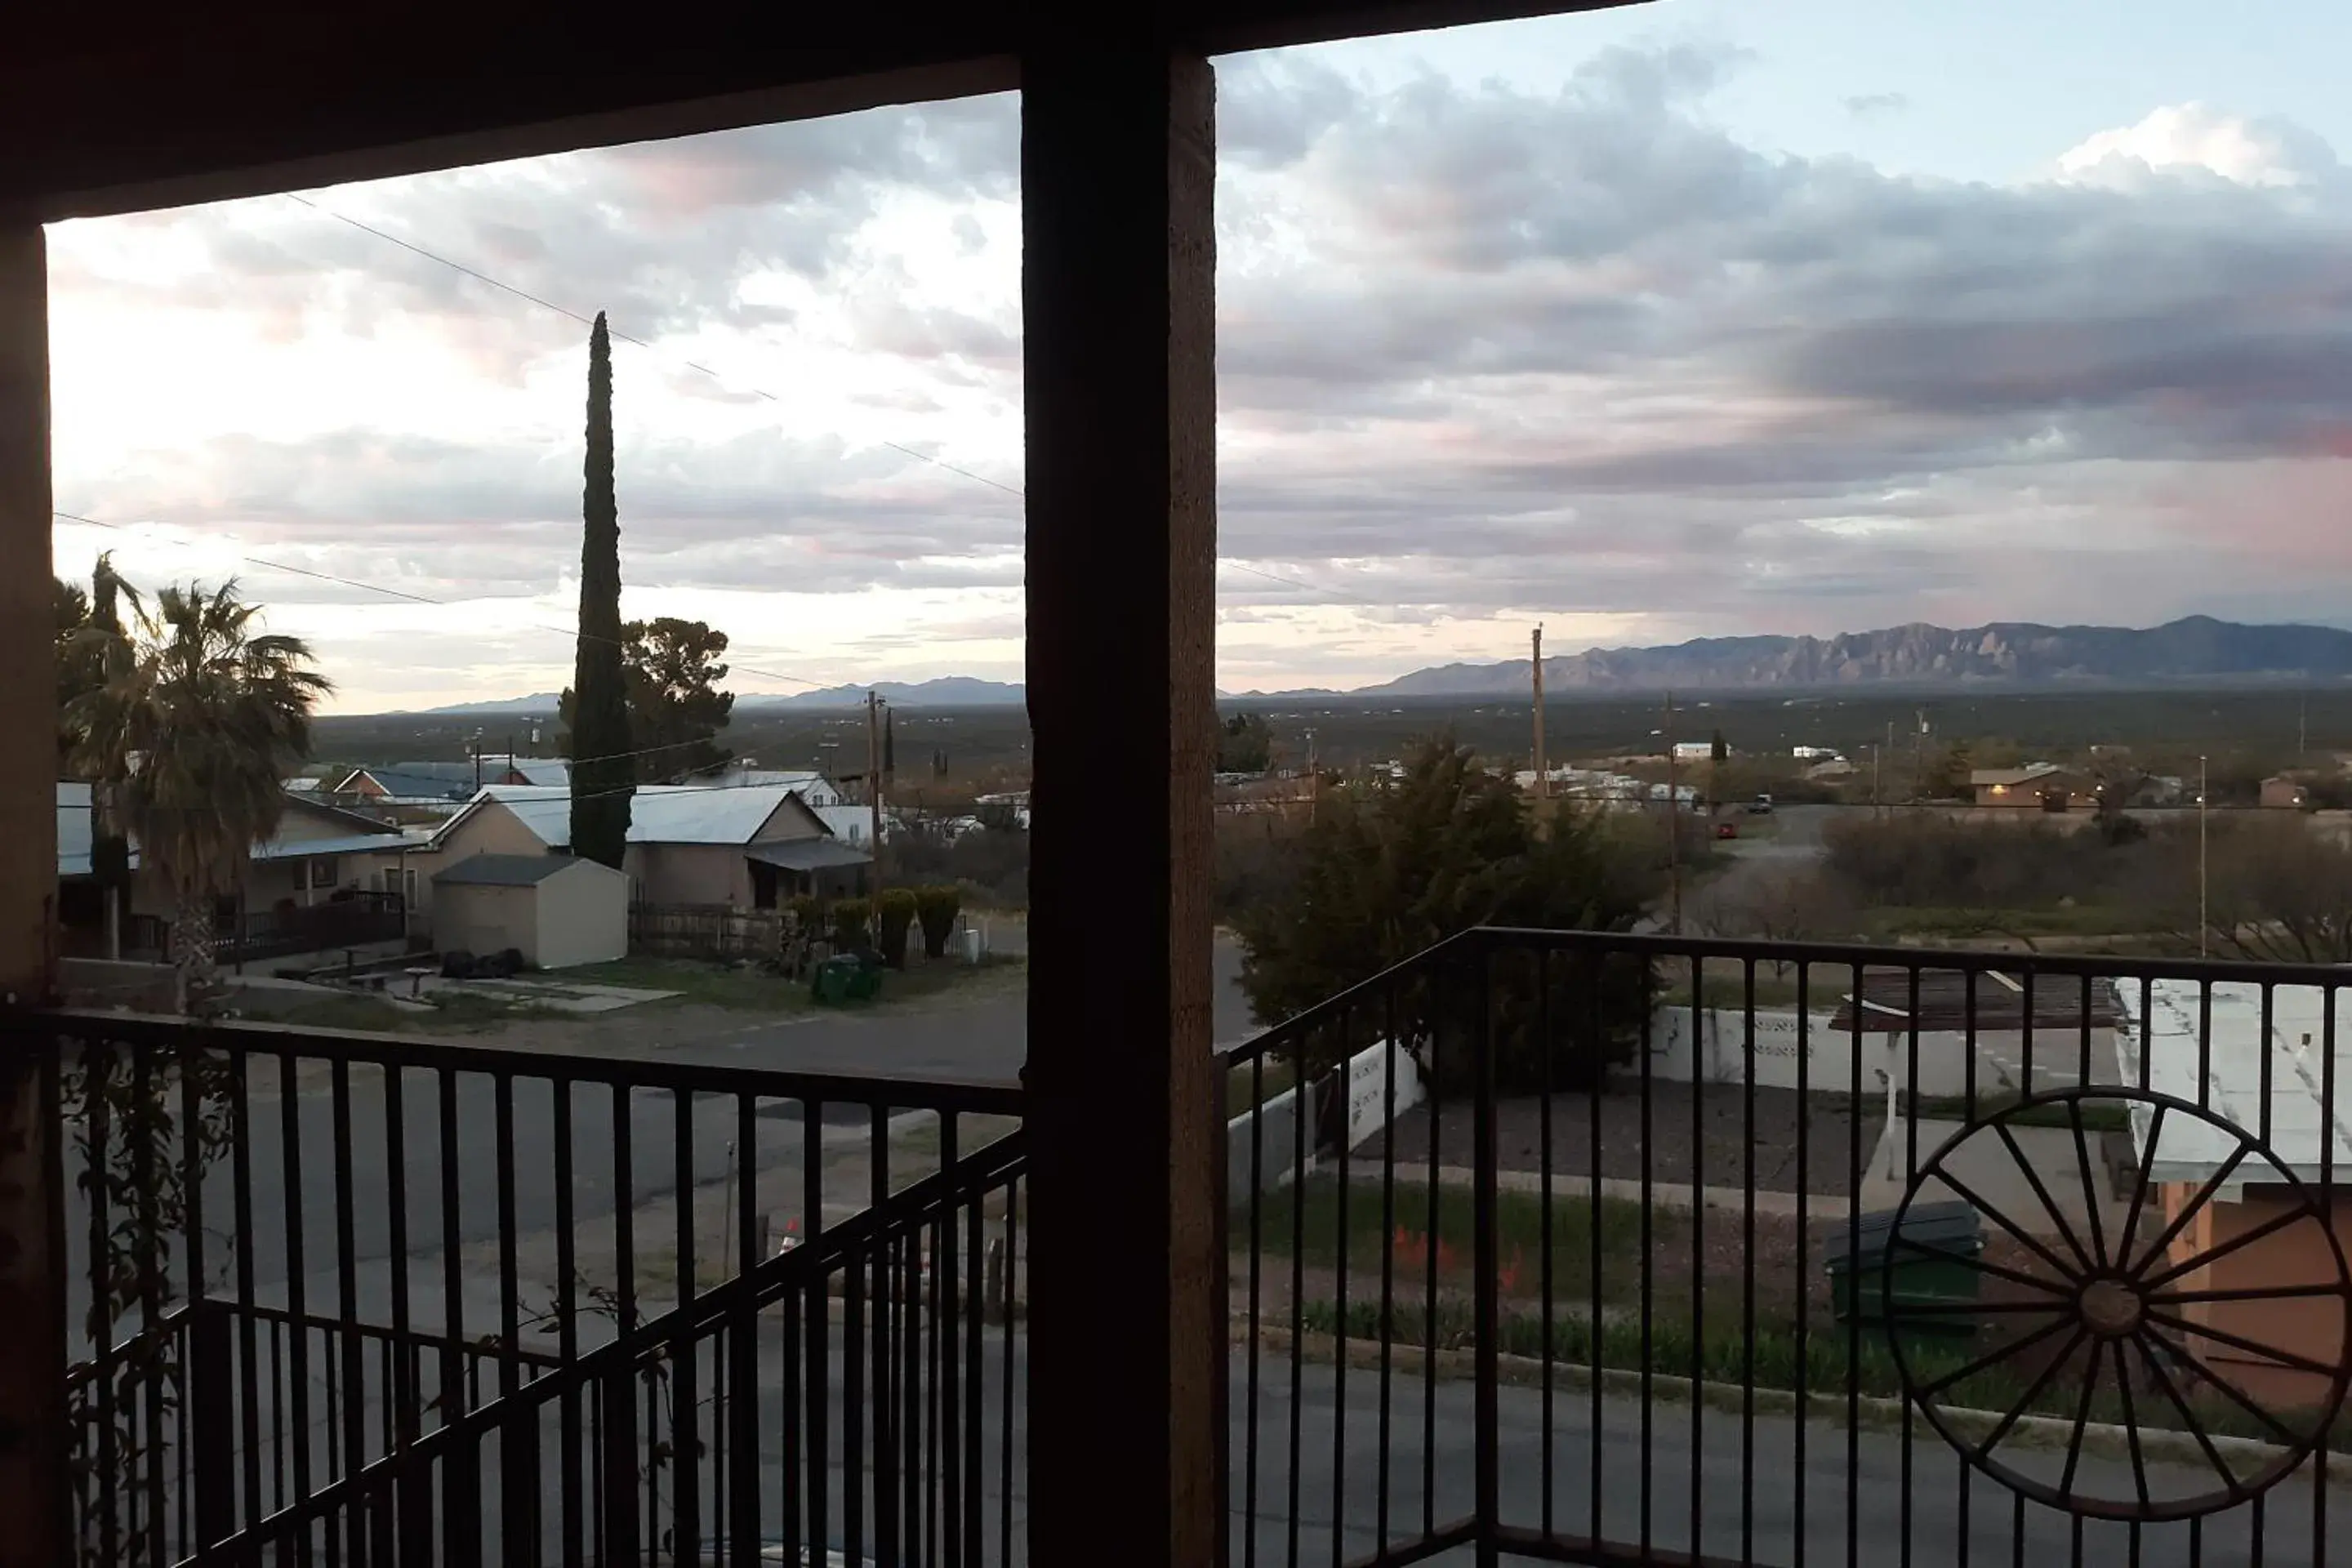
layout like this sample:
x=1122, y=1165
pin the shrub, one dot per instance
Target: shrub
x=853, y=923
x=897, y=909
x=937, y=907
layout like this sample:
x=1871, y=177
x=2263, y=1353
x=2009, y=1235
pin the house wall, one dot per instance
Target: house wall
x=478, y=919
x=489, y=829
x=690, y=873
x=2297, y=1254
x=583, y=916
x=1716, y=1051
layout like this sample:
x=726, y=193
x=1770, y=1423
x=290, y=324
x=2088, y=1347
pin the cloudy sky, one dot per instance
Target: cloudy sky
x=1699, y=317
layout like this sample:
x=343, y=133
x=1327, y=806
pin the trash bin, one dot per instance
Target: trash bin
x=836, y=979
x=1861, y=1281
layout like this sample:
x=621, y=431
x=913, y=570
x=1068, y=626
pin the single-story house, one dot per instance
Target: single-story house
x=749, y=845
x=2037, y=787
x=557, y=911
x=2258, y=1291
x=2284, y=793
x=809, y=783
x=319, y=855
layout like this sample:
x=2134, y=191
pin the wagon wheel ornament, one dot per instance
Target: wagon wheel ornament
x=2128, y=1310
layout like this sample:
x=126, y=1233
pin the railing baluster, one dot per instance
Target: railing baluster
x=685, y=1424
x=890, y=1424
x=1487, y=1284
x=298, y=1339
x=561, y=1111
x=353, y=1374
x=742, y=1343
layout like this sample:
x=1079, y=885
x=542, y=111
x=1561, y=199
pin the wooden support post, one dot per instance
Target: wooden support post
x=1126, y=1348
x=33, y=1500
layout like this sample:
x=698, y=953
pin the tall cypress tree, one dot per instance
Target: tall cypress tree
x=601, y=772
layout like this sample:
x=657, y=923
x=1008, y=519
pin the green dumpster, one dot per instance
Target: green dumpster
x=846, y=977
x=1929, y=1270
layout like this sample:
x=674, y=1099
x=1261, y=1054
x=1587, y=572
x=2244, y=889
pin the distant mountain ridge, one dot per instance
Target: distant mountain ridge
x=946, y=691
x=2001, y=652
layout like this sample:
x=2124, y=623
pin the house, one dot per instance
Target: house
x=2224, y=1047
x=2037, y=787
x=557, y=911
x=320, y=855
x=1694, y=751
x=809, y=783
x=2285, y=793
x=749, y=845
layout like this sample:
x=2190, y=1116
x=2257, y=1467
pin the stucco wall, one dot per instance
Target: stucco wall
x=690, y=873
x=489, y=829
x=2295, y=1255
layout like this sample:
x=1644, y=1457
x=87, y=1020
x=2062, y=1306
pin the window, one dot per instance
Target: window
x=323, y=872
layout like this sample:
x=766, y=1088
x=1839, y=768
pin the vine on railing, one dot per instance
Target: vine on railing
x=148, y=1123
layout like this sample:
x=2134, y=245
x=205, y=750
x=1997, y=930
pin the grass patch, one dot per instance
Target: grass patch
x=1723, y=986
x=751, y=989
x=1963, y=924
x=451, y=1013
x=1306, y=1218
x=1828, y=1358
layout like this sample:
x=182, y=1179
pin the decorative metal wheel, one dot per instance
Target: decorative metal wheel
x=2121, y=1333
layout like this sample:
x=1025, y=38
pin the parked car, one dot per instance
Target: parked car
x=1760, y=806
x=1727, y=830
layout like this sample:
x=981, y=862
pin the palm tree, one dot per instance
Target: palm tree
x=198, y=715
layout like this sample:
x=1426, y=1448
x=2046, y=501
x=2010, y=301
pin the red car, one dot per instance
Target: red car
x=1727, y=830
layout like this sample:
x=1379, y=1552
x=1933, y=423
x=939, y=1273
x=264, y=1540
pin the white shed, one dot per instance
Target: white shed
x=557, y=911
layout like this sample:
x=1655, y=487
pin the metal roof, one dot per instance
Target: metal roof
x=808, y=855
x=504, y=870
x=348, y=843
x=659, y=814
x=2223, y=1066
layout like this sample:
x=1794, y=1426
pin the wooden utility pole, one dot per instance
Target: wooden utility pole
x=874, y=787
x=1674, y=823
x=1543, y=775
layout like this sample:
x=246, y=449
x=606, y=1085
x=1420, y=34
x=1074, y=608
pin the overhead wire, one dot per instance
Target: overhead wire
x=761, y=393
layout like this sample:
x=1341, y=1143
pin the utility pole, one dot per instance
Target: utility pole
x=1674, y=824
x=1535, y=666
x=1920, y=758
x=2204, y=927
x=2302, y=727
x=874, y=781
x=1314, y=778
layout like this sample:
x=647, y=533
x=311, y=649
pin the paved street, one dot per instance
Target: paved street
x=1872, y=1501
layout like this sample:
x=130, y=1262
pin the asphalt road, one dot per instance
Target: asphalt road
x=1665, y=1475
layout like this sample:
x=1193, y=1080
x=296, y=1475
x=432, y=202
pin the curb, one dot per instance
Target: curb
x=2245, y=1454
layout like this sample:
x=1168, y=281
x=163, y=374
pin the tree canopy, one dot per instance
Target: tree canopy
x=671, y=669
x=1386, y=872
x=1245, y=744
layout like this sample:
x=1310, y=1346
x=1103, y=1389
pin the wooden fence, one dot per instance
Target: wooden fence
x=707, y=931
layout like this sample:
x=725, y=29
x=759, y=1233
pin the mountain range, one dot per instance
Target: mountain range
x=2017, y=653
x=2000, y=653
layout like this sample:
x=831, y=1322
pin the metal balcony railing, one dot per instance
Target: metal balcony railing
x=1550, y=1246
x=348, y=1297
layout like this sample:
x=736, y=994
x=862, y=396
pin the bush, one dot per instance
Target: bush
x=852, y=924
x=937, y=907
x=897, y=909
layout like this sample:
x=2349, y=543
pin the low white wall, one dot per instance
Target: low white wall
x=1714, y=1049
x=1278, y=1120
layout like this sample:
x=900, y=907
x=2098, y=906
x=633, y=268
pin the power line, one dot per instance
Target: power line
x=761, y=393
x=423, y=599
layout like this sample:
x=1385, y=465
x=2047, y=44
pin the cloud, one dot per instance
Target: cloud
x=1483, y=352
x=1870, y=105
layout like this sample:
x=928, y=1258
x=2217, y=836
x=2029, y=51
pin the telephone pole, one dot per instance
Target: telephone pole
x=1674, y=824
x=874, y=781
x=1535, y=666
x=2204, y=926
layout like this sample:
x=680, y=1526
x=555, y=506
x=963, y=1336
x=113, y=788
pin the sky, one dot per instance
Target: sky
x=1697, y=318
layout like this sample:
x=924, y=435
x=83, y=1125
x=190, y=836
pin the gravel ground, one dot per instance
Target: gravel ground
x=1704, y=1136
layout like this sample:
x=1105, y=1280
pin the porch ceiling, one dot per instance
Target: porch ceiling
x=139, y=105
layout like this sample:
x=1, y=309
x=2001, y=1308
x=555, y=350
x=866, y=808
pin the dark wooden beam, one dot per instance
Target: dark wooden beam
x=1118, y=278
x=143, y=104
x=33, y=1492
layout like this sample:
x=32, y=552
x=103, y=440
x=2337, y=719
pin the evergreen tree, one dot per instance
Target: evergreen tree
x=598, y=741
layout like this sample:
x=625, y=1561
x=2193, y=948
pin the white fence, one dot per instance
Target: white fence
x=1277, y=1119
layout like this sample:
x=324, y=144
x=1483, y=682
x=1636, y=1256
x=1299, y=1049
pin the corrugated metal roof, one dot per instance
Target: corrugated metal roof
x=503, y=870
x=349, y=844
x=659, y=814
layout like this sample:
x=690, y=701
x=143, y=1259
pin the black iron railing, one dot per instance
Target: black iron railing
x=359, y=1297
x=1738, y=1252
